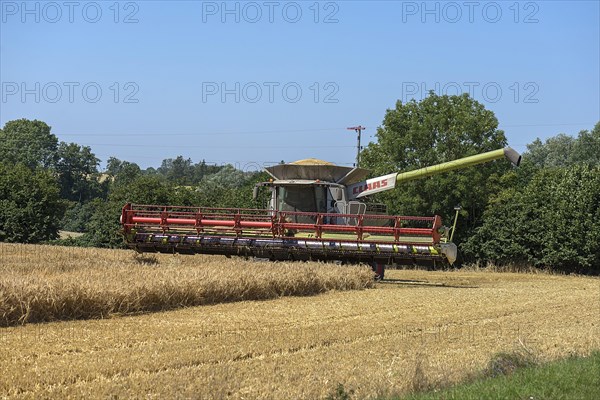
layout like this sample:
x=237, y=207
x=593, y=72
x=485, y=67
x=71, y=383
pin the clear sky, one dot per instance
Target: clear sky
x=253, y=83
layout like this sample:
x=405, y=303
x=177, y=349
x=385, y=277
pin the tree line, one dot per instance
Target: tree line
x=543, y=213
x=47, y=186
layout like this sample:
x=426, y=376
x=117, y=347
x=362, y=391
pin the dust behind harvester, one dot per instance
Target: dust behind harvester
x=317, y=211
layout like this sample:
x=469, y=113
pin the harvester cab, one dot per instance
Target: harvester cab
x=317, y=211
x=314, y=187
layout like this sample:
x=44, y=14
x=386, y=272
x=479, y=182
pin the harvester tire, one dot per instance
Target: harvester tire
x=378, y=269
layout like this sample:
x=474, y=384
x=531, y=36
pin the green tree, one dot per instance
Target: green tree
x=149, y=171
x=122, y=170
x=563, y=150
x=202, y=169
x=142, y=189
x=556, y=151
x=113, y=166
x=77, y=170
x=28, y=142
x=128, y=173
x=586, y=147
x=178, y=170
x=228, y=176
x=78, y=215
x=30, y=205
x=560, y=151
x=435, y=130
x=552, y=222
x=103, y=229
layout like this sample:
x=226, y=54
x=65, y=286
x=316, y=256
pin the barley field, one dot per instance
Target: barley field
x=48, y=283
x=416, y=330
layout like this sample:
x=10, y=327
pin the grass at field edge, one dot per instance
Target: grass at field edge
x=570, y=378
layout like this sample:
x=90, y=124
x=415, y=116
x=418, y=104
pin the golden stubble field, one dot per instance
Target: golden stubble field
x=432, y=327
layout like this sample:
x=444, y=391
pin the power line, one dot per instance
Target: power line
x=162, y=146
x=200, y=146
x=546, y=125
x=280, y=131
x=204, y=133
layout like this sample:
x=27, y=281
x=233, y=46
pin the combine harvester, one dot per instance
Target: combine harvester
x=316, y=212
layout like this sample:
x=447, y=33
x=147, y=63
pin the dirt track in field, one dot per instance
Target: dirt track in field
x=444, y=324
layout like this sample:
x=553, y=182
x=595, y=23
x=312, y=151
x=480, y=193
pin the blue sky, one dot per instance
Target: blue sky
x=252, y=83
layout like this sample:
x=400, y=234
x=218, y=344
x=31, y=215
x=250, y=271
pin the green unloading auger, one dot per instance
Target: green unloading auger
x=506, y=152
x=388, y=182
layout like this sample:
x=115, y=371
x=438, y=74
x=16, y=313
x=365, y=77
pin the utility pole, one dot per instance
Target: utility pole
x=358, y=129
